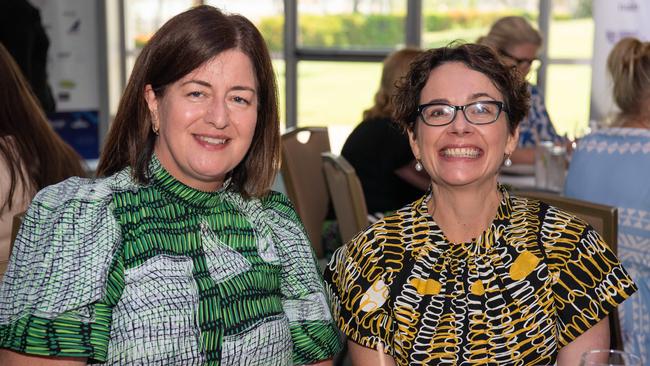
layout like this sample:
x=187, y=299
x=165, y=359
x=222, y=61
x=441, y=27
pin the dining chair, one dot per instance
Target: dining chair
x=303, y=178
x=604, y=219
x=347, y=195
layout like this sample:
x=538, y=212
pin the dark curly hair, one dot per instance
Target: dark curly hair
x=476, y=57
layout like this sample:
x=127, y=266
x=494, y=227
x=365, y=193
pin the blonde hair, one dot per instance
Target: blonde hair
x=396, y=65
x=629, y=67
x=510, y=31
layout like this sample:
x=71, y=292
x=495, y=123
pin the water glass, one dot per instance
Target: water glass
x=609, y=357
x=550, y=166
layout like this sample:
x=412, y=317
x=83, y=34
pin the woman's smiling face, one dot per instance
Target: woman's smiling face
x=461, y=153
x=206, y=120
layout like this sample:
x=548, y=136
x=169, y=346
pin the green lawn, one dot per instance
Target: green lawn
x=336, y=93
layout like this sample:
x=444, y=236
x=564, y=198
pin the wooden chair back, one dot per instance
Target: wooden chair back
x=347, y=195
x=604, y=219
x=304, y=180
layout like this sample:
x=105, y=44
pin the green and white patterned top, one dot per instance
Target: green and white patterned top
x=164, y=274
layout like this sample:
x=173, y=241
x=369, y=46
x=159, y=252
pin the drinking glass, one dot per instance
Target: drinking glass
x=550, y=166
x=609, y=357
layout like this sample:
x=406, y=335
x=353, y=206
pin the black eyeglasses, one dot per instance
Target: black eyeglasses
x=519, y=61
x=478, y=113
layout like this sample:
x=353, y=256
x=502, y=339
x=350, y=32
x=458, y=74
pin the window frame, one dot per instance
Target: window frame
x=293, y=53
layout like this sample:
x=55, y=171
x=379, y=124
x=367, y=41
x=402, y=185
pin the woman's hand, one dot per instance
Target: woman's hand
x=364, y=356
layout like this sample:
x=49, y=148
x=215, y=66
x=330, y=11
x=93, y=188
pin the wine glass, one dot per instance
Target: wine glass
x=609, y=357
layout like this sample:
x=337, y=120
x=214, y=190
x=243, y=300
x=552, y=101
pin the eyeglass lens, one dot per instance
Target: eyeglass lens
x=477, y=113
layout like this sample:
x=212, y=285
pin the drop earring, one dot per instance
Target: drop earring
x=418, y=166
x=507, y=162
x=154, y=128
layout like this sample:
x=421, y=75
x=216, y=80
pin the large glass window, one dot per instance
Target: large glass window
x=568, y=90
x=444, y=21
x=335, y=94
x=143, y=18
x=568, y=81
x=351, y=24
x=332, y=90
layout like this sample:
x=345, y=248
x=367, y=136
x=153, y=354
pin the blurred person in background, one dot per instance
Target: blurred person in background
x=468, y=273
x=32, y=155
x=179, y=253
x=518, y=43
x=379, y=150
x=23, y=34
x=612, y=166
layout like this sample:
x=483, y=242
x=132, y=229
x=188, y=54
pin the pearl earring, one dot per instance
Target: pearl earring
x=507, y=162
x=418, y=166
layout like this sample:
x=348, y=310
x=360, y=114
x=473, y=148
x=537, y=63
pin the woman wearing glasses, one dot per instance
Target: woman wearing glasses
x=517, y=42
x=469, y=274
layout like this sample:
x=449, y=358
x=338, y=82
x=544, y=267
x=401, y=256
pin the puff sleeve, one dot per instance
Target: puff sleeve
x=53, y=297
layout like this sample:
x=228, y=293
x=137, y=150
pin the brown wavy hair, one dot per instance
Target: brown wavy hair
x=182, y=44
x=35, y=154
x=476, y=57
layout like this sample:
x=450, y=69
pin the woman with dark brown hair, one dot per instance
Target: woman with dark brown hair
x=179, y=253
x=32, y=155
x=470, y=274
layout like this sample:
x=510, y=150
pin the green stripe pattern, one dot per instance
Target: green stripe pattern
x=197, y=278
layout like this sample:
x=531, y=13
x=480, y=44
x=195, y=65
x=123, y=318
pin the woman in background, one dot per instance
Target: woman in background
x=518, y=44
x=32, y=155
x=469, y=274
x=612, y=166
x=179, y=254
x=379, y=150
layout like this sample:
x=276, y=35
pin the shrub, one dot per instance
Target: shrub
x=272, y=29
x=376, y=30
x=337, y=31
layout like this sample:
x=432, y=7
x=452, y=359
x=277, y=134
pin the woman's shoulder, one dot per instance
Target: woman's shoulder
x=615, y=141
x=550, y=216
x=84, y=190
x=66, y=221
x=618, y=133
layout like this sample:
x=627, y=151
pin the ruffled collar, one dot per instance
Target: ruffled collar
x=477, y=246
x=181, y=192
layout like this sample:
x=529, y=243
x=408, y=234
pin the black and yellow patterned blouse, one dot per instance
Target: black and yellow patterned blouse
x=535, y=280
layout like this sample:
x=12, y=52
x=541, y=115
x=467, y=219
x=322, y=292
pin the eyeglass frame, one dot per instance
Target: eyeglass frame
x=501, y=106
x=519, y=61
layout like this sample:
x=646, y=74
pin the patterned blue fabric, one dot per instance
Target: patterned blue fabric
x=612, y=167
x=537, y=122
